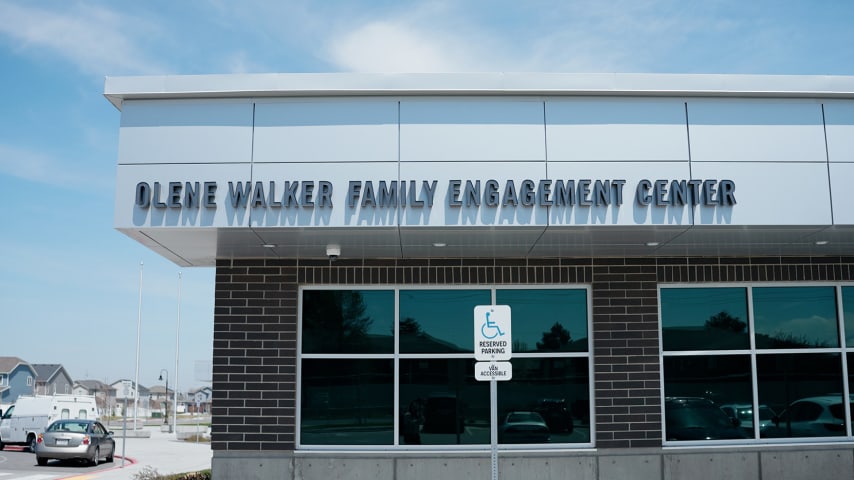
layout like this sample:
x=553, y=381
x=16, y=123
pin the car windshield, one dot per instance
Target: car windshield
x=524, y=417
x=697, y=416
x=68, y=427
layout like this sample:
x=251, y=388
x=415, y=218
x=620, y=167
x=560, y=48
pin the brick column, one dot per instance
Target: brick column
x=625, y=348
x=254, y=352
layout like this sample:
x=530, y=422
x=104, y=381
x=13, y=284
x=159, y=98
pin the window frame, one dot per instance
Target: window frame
x=754, y=353
x=397, y=356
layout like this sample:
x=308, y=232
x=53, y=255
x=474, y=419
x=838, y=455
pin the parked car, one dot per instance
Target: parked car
x=75, y=439
x=523, y=427
x=694, y=418
x=821, y=416
x=743, y=412
x=556, y=414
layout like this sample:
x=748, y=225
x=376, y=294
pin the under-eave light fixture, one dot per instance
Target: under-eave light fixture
x=652, y=244
x=821, y=242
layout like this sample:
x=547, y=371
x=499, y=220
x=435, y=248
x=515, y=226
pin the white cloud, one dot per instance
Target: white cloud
x=386, y=46
x=95, y=39
x=44, y=168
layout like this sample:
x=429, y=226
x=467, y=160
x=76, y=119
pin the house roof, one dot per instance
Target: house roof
x=142, y=389
x=45, y=372
x=94, y=385
x=7, y=364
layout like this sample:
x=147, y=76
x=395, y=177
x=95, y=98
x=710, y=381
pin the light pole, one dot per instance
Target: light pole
x=166, y=396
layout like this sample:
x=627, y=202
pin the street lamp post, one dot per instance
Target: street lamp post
x=166, y=396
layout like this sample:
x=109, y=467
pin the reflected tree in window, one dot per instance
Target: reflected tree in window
x=555, y=339
x=726, y=322
x=335, y=321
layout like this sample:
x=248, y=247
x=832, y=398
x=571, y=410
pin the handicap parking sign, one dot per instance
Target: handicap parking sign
x=492, y=338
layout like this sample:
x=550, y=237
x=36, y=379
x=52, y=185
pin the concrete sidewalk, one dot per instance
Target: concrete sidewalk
x=161, y=451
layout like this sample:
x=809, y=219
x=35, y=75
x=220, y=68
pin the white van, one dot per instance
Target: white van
x=30, y=415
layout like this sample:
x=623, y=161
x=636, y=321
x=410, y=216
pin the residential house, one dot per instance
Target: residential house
x=200, y=400
x=100, y=390
x=17, y=377
x=117, y=401
x=161, y=399
x=52, y=378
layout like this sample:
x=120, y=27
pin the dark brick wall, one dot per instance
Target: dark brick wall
x=256, y=313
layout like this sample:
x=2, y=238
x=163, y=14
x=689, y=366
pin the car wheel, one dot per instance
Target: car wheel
x=95, y=457
x=41, y=461
x=31, y=442
x=110, y=456
x=1, y=444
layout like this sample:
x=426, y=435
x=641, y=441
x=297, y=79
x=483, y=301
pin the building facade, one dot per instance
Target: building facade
x=676, y=252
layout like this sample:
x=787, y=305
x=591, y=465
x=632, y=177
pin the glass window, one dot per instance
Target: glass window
x=345, y=321
x=352, y=356
x=442, y=403
x=439, y=321
x=704, y=319
x=795, y=317
x=547, y=320
x=782, y=380
x=801, y=388
x=848, y=313
x=547, y=401
x=347, y=402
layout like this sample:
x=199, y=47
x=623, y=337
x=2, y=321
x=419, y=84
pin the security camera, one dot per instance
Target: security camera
x=333, y=252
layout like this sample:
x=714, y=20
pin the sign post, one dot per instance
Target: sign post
x=124, y=392
x=493, y=345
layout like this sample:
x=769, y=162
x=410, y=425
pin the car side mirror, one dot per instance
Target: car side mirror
x=735, y=422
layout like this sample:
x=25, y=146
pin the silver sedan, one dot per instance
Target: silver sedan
x=75, y=439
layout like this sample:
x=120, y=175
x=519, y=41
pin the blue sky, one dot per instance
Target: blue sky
x=69, y=282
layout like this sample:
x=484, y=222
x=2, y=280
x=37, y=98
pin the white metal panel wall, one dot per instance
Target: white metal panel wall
x=473, y=130
x=756, y=130
x=626, y=129
x=185, y=131
x=839, y=118
x=842, y=186
x=322, y=130
x=769, y=193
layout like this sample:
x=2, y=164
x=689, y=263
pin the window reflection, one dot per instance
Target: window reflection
x=806, y=389
x=848, y=312
x=439, y=321
x=442, y=404
x=347, y=402
x=547, y=320
x=547, y=401
x=348, y=321
x=795, y=317
x=708, y=397
x=704, y=319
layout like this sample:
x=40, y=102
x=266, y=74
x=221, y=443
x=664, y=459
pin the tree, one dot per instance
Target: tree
x=725, y=321
x=556, y=338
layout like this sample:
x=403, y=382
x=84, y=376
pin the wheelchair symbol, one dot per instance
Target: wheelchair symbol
x=492, y=327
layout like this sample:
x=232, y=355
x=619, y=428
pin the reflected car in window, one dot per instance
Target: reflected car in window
x=556, y=414
x=743, y=412
x=523, y=427
x=694, y=418
x=821, y=416
x=86, y=440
